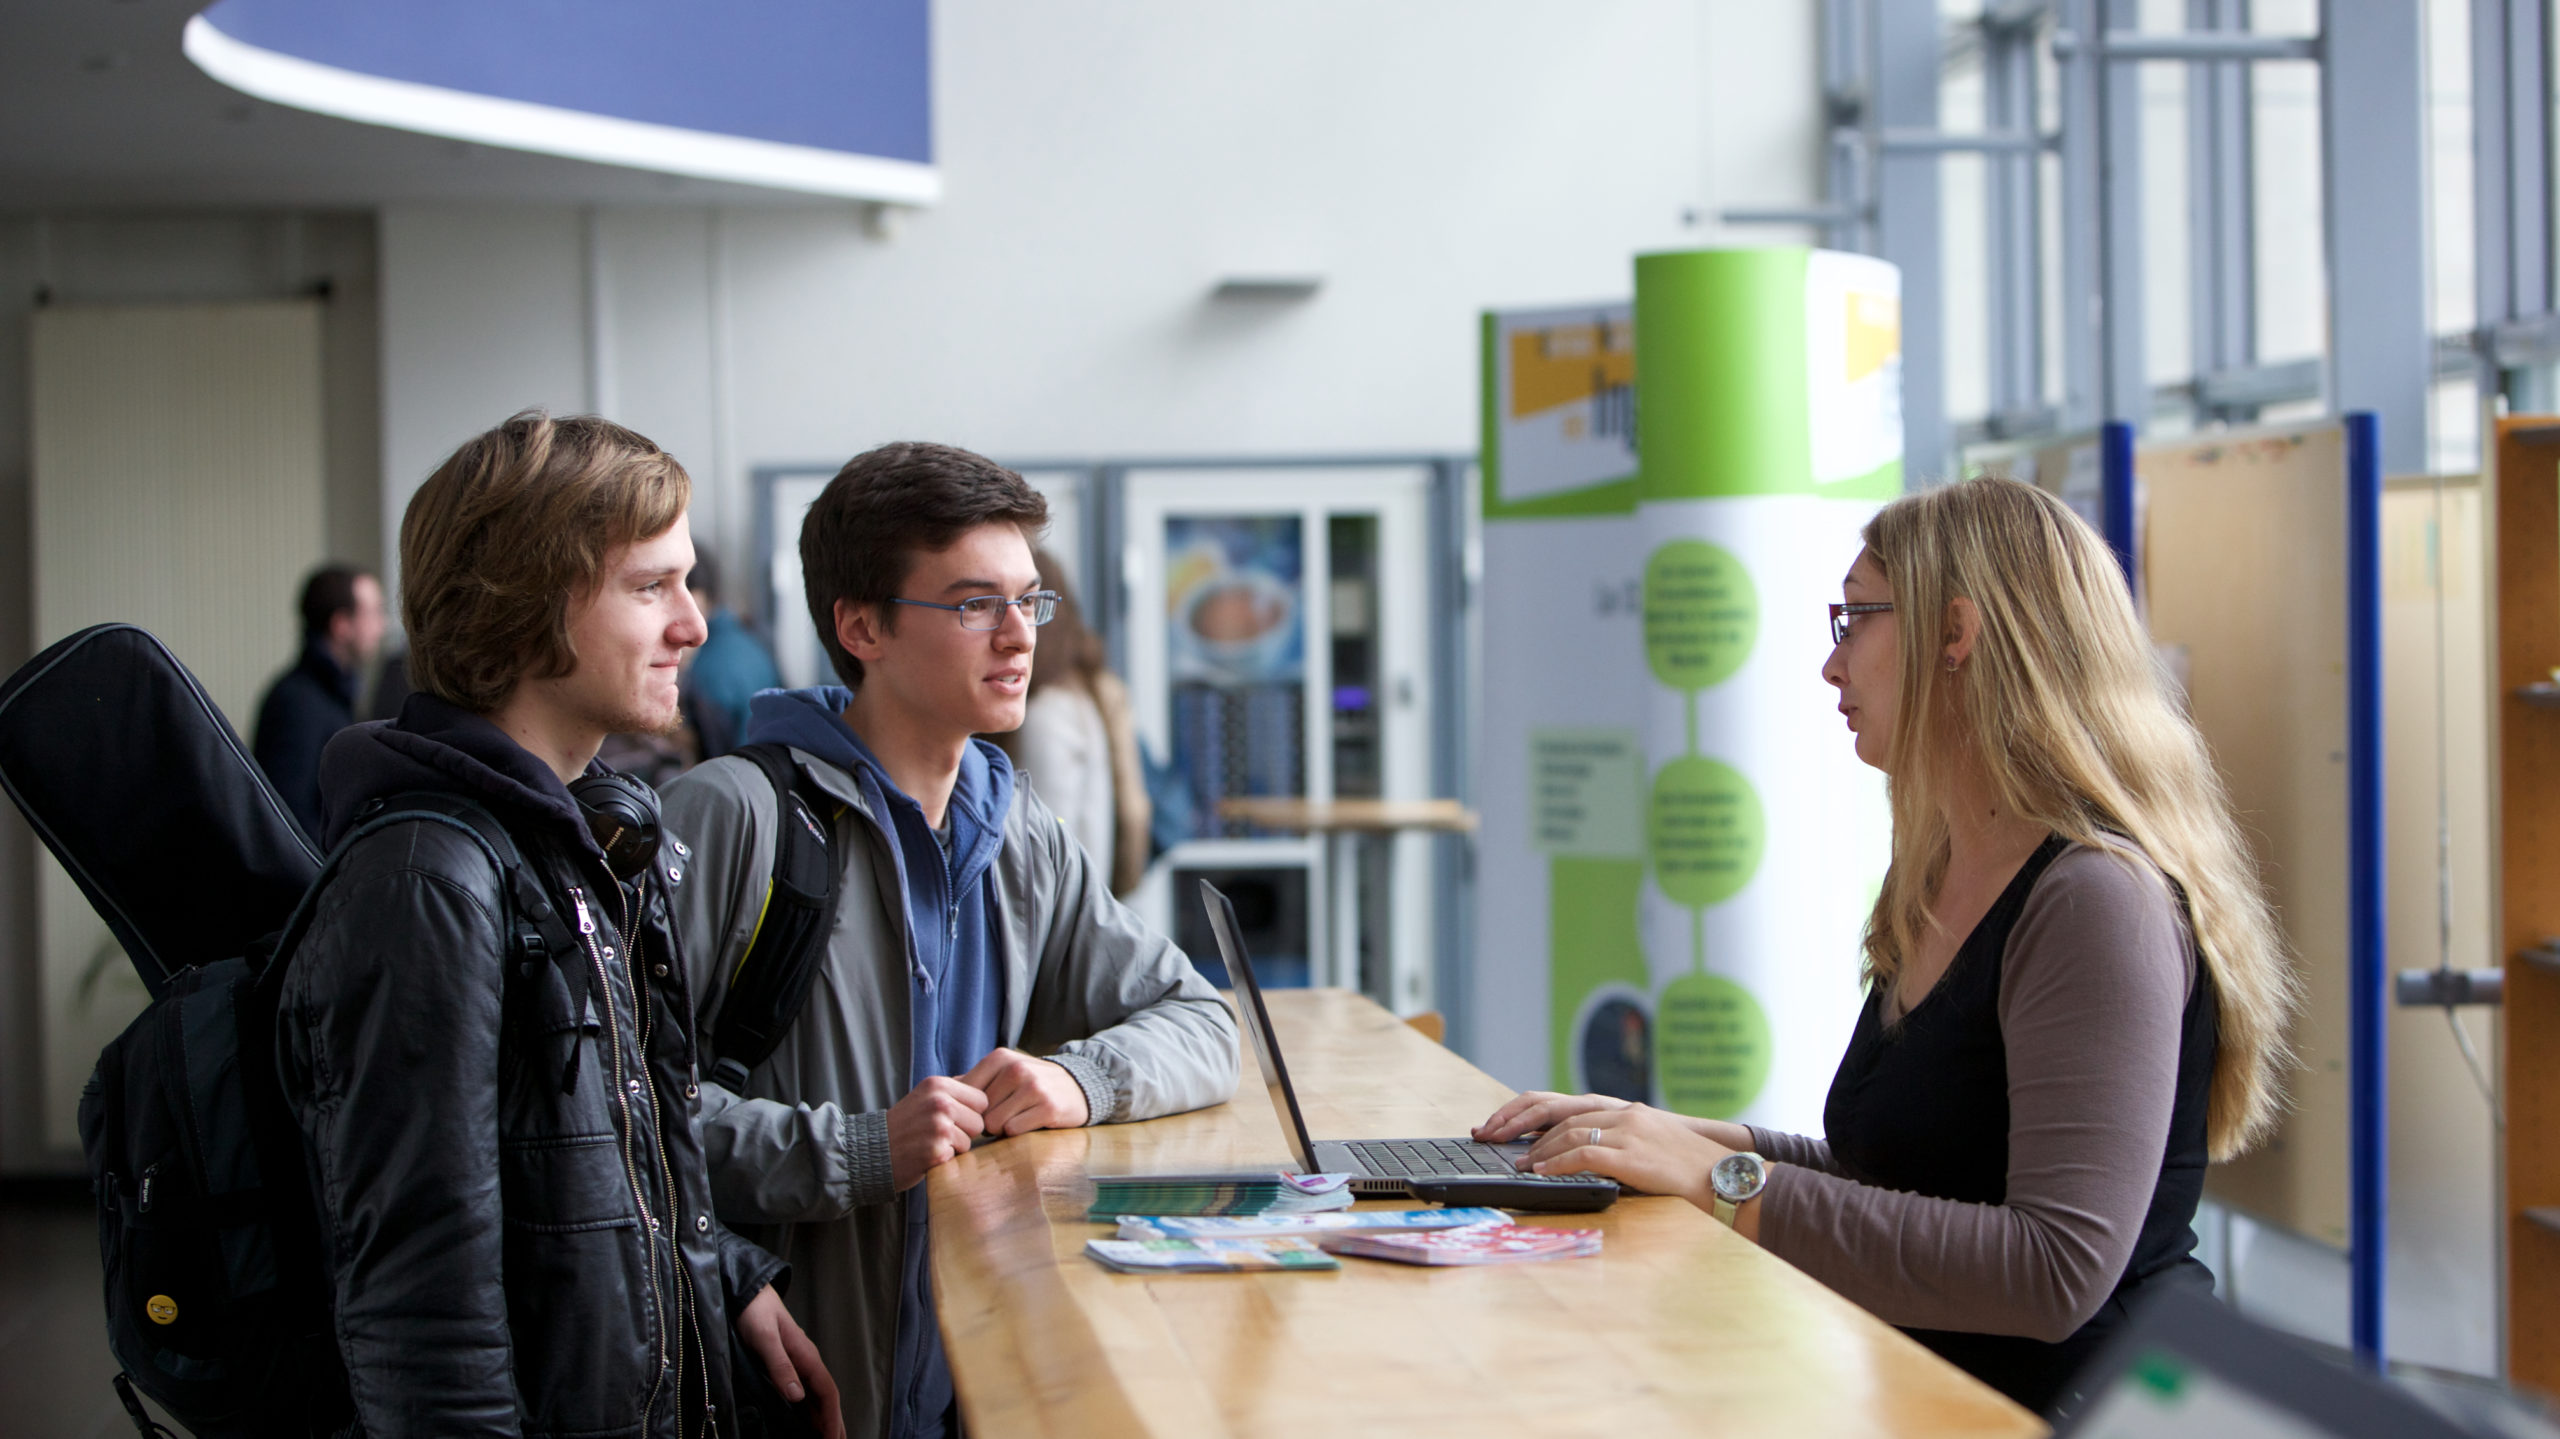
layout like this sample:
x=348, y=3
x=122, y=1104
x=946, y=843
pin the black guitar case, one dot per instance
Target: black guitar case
x=136, y=782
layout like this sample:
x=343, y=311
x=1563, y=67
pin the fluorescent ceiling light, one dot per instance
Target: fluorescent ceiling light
x=552, y=130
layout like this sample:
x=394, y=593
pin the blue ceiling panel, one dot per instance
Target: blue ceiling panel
x=850, y=78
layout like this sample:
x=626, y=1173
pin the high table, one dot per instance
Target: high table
x=1679, y=1327
x=1344, y=823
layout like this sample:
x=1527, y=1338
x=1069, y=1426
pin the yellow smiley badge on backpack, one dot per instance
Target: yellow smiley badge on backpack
x=162, y=1309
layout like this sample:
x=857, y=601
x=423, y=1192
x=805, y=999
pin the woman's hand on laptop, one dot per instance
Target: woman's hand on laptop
x=1635, y=1144
x=1539, y=1109
x=1025, y=1093
x=1542, y=1109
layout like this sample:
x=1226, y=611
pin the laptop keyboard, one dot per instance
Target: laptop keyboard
x=1428, y=1158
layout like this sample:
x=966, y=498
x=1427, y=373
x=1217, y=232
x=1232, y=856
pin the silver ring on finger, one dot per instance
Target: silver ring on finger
x=1595, y=1137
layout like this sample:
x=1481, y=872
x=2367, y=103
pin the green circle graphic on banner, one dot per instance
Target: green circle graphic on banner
x=1714, y=1046
x=1700, y=614
x=1706, y=831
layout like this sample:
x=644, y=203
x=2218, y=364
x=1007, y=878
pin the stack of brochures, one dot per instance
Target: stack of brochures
x=1265, y=1192
x=1180, y=1226
x=1208, y=1256
x=1474, y=1244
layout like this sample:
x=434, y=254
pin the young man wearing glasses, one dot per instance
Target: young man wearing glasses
x=970, y=934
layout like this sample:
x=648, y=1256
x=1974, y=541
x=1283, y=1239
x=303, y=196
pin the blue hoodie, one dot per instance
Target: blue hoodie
x=955, y=988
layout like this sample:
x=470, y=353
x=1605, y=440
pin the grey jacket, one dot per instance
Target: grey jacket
x=801, y=1162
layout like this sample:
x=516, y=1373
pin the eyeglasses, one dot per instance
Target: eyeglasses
x=986, y=612
x=1842, y=614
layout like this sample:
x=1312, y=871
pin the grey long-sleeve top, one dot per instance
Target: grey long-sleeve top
x=2093, y=985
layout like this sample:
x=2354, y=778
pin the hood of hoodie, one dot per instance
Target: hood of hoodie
x=813, y=720
x=435, y=745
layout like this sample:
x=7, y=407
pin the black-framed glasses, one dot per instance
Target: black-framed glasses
x=986, y=612
x=1841, y=615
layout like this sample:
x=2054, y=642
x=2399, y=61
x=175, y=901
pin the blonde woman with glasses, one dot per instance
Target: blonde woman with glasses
x=2076, y=995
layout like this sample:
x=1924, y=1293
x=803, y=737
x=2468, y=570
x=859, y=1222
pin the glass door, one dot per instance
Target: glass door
x=1278, y=649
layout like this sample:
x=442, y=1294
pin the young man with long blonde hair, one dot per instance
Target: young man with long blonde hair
x=498, y=1104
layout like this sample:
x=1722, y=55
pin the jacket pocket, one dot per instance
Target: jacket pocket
x=557, y=1186
x=581, y=1304
x=558, y=1079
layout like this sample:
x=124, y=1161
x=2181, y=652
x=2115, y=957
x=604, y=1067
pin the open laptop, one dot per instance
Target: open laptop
x=1376, y=1166
x=2186, y=1365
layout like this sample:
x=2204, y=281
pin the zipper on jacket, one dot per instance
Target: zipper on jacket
x=950, y=899
x=635, y=966
x=630, y=1169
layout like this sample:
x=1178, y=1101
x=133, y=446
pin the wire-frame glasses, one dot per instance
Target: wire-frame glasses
x=986, y=612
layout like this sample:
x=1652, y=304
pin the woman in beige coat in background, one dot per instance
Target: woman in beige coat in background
x=1078, y=742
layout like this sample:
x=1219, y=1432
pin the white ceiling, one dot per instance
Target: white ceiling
x=98, y=109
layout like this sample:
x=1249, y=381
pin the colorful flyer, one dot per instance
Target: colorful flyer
x=1183, y=1226
x=1474, y=1244
x=1208, y=1256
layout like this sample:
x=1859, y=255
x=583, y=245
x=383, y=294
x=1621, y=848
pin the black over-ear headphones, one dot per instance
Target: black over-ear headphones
x=622, y=813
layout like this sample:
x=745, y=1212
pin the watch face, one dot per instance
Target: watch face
x=1738, y=1177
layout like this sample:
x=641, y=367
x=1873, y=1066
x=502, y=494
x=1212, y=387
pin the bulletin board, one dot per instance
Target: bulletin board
x=2244, y=573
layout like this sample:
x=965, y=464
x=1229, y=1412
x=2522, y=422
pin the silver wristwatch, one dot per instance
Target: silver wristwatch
x=1737, y=1180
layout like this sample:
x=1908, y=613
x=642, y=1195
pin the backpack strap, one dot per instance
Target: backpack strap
x=536, y=933
x=770, y=984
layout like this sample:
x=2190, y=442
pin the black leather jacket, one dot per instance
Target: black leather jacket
x=510, y=1188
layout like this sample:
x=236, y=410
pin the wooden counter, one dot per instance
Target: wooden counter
x=1678, y=1328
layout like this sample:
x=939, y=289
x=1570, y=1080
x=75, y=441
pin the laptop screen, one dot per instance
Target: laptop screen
x=1257, y=1022
x=2184, y=1364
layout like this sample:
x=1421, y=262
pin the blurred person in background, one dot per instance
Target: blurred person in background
x=1078, y=743
x=342, y=624
x=727, y=671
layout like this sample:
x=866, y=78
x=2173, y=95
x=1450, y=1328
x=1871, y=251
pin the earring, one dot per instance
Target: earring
x=1951, y=665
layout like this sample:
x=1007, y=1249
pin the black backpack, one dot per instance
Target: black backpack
x=217, y=1294
x=771, y=983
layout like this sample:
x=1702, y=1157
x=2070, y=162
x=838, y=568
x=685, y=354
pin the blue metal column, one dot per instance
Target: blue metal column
x=2115, y=498
x=2367, y=1194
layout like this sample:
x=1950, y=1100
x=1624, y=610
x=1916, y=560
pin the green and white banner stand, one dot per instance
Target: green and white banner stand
x=1673, y=811
x=1771, y=428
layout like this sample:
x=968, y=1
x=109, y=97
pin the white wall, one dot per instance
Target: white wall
x=1106, y=166
x=85, y=259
